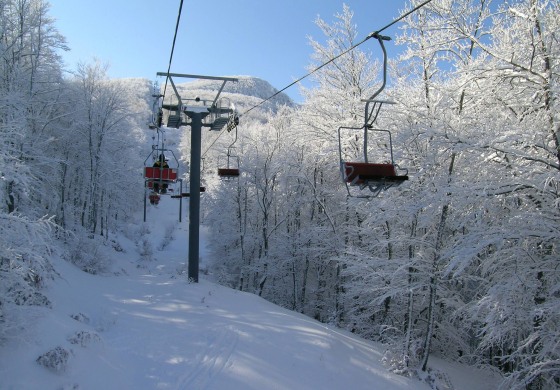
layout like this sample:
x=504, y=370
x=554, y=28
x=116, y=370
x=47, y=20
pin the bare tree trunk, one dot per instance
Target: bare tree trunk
x=431, y=322
x=434, y=277
x=410, y=303
x=303, y=300
x=408, y=325
x=11, y=201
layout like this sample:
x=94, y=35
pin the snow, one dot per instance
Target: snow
x=150, y=329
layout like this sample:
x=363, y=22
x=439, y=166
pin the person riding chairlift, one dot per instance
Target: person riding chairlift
x=160, y=163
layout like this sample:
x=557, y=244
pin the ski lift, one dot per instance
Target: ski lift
x=173, y=110
x=361, y=173
x=157, y=113
x=174, y=119
x=223, y=114
x=231, y=170
x=160, y=174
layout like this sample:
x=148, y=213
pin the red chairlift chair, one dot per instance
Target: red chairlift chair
x=364, y=174
x=231, y=170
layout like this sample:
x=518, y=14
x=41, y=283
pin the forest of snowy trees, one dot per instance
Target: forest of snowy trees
x=460, y=261
x=70, y=142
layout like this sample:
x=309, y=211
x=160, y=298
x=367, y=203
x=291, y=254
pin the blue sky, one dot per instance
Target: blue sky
x=263, y=38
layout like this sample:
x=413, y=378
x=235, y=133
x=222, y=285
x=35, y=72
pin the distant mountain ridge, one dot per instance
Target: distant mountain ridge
x=246, y=85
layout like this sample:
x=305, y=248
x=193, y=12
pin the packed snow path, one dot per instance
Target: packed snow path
x=145, y=327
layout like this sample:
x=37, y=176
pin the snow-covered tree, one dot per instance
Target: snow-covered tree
x=30, y=80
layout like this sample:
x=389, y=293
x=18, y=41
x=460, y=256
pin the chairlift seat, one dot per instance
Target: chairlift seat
x=155, y=173
x=360, y=173
x=188, y=194
x=228, y=172
x=219, y=123
x=174, y=121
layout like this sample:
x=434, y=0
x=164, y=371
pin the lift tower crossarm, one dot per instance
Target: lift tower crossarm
x=196, y=76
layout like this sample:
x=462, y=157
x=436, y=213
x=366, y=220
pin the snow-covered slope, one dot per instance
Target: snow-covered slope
x=145, y=327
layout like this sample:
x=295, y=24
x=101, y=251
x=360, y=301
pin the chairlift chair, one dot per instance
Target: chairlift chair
x=362, y=173
x=231, y=170
x=158, y=177
x=174, y=118
x=223, y=114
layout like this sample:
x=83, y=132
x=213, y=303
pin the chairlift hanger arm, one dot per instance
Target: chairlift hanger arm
x=367, y=113
x=179, y=102
x=380, y=39
x=234, y=140
x=218, y=94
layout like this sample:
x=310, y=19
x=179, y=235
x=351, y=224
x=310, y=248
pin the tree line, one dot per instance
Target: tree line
x=70, y=155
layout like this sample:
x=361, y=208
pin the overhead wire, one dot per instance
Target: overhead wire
x=173, y=47
x=371, y=35
x=403, y=16
x=212, y=144
x=169, y=66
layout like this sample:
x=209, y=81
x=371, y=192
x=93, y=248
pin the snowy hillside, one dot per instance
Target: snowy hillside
x=141, y=325
x=145, y=327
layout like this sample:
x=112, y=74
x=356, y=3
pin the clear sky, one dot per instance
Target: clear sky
x=262, y=38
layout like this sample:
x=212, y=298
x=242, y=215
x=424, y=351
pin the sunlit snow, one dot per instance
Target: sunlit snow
x=150, y=329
